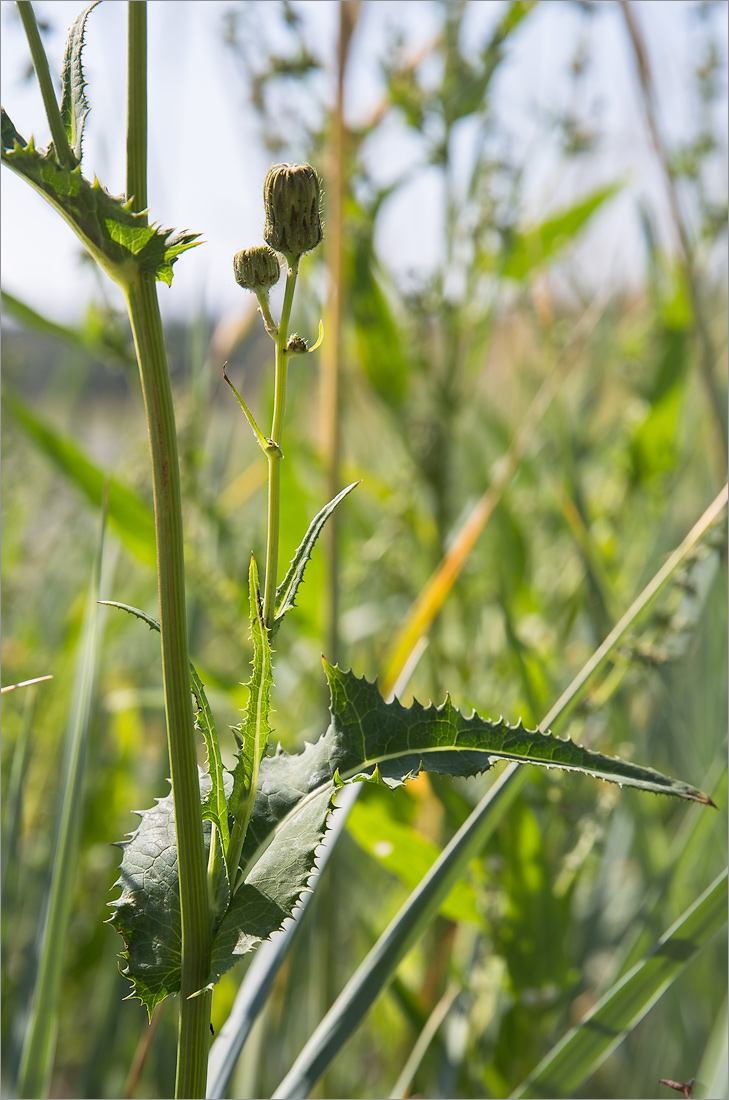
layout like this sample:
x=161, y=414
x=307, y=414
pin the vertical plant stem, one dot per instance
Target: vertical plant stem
x=332, y=349
x=143, y=306
x=45, y=83
x=137, y=105
x=275, y=454
x=701, y=327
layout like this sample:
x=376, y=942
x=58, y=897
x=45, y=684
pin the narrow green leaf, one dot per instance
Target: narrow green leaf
x=129, y=515
x=74, y=105
x=529, y=250
x=377, y=970
x=712, y=1077
x=214, y=804
x=39, y=1041
x=286, y=591
x=585, y=1047
x=218, y=882
x=254, y=729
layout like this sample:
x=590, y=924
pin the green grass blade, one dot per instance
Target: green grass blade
x=98, y=336
x=712, y=1078
x=585, y=1047
x=129, y=515
x=269, y=958
x=39, y=1041
x=541, y=244
x=404, y=1082
x=379, y=967
x=13, y=796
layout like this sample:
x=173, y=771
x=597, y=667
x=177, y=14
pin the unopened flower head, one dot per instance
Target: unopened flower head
x=292, y=198
x=257, y=269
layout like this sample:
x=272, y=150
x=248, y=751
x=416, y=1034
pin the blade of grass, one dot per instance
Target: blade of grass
x=375, y=972
x=585, y=1047
x=257, y=983
x=708, y=360
x=38, y=1045
x=436, y=1018
x=377, y=969
x=337, y=186
x=129, y=515
x=712, y=1078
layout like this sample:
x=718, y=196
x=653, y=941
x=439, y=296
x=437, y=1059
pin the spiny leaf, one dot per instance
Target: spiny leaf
x=368, y=739
x=74, y=105
x=366, y=732
x=119, y=239
x=286, y=591
x=254, y=729
x=147, y=912
x=214, y=804
x=9, y=134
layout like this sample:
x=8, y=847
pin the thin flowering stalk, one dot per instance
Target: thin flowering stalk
x=275, y=454
x=292, y=200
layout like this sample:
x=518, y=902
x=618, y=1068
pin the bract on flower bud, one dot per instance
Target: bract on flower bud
x=297, y=344
x=292, y=198
x=257, y=269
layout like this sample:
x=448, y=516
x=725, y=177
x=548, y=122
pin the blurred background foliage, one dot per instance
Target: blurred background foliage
x=595, y=419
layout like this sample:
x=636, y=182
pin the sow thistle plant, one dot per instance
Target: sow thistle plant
x=219, y=864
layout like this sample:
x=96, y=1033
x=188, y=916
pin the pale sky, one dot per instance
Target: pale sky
x=207, y=164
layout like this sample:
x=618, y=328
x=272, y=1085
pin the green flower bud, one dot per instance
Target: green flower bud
x=256, y=269
x=292, y=198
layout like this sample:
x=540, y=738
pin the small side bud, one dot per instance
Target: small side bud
x=297, y=344
x=292, y=199
x=257, y=269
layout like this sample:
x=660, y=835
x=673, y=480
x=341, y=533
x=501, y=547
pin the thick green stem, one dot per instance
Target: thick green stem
x=195, y=914
x=275, y=454
x=143, y=306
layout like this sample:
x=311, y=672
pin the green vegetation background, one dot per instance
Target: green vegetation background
x=436, y=381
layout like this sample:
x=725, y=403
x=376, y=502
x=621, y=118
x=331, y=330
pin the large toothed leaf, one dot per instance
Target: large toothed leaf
x=254, y=730
x=286, y=591
x=366, y=732
x=214, y=804
x=74, y=105
x=367, y=739
x=119, y=240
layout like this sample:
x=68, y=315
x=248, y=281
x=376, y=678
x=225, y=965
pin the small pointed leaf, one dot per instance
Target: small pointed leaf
x=286, y=591
x=74, y=105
